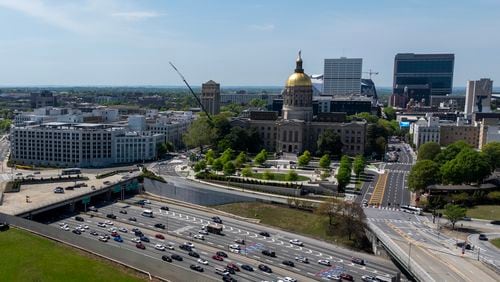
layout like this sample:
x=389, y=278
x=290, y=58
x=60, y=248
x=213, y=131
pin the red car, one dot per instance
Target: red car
x=114, y=234
x=347, y=277
x=233, y=266
x=216, y=257
x=159, y=236
x=140, y=246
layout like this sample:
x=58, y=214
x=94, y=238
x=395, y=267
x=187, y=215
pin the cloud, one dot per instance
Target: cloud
x=51, y=15
x=136, y=15
x=265, y=27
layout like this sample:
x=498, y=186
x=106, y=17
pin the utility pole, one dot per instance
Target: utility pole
x=409, y=258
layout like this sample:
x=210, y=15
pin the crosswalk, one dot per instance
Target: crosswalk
x=393, y=220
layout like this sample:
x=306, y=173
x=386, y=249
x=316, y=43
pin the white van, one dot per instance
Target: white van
x=147, y=213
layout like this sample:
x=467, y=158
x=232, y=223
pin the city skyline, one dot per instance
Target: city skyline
x=130, y=43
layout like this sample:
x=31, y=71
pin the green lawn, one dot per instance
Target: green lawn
x=279, y=176
x=293, y=220
x=27, y=257
x=490, y=212
x=496, y=242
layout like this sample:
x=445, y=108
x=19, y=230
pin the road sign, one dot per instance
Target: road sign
x=117, y=189
x=86, y=200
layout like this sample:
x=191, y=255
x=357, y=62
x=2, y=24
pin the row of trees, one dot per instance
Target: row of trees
x=458, y=163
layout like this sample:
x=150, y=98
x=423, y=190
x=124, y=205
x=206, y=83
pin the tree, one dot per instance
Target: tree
x=390, y=113
x=469, y=166
x=292, y=176
x=268, y=175
x=343, y=177
x=358, y=165
x=492, y=152
x=366, y=116
x=210, y=156
x=451, y=151
x=217, y=165
x=226, y=156
x=429, y=151
x=241, y=159
x=233, y=108
x=325, y=162
x=261, y=157
x=240, y=139
x=200, y=133
x=257, y=103
x=454, y=213
x=200, y=165
x=351, y=221
x=229, y=168
x=330, y=143
x=305, y=158
x=423, y=174
x=327, y=208
x=247, y=171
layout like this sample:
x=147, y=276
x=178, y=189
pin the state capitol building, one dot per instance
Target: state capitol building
x=298, y=129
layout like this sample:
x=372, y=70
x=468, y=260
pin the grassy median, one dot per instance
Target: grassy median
x=28, y=257
x=278, y=177
x=496, y=242
x=491, y=212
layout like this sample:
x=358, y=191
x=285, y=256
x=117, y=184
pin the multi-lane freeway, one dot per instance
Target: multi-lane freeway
x=182, y=223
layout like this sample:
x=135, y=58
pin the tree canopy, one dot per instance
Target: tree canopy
x=423, y=174
x=469, y=166
x=261, y=157
x=390, y=113
x=241, y=139
x=330, y=143
x=305, y=158
x=429, y=151
x=292, y=176
x=358, y=165
x=454, y=213
x=451, y=151
x=229, y=168
x=199, y=134
x=492, y=153
x=325, y=162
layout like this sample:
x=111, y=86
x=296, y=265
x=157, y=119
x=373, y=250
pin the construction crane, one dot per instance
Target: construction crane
x=192, y=92
x=370, y=73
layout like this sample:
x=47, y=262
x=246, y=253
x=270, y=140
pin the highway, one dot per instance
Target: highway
x=182, y=223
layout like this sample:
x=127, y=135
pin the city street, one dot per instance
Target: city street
x=396, y=191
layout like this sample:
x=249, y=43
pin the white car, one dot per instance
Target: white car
x=102, y=239
x=112, y=229
x=302, y=259
x=108, y=222
x=296, y=242
x=189, y=244
x=160, y=247
x=204, y=232
x=289, y=279
x=324, y=262
x=101, y=224
x=199, y=237
x=65, y=228
x=202, y=261
x=136, y=240
x=170, y=246
x=334, y=277
x=62, y=223
x=86, y=227
x=236, y=251
x=123, y=229
x=234, y=246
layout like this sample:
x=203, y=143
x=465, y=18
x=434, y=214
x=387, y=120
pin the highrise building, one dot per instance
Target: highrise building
x=342, y=77
x=423, y=75
x=478, y=96
x=210, y=97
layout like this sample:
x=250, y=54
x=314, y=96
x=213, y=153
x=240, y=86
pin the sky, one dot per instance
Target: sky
x=236, y=43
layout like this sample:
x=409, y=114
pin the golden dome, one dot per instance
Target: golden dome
x=298, y=79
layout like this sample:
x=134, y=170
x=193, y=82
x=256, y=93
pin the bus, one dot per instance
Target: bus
x=413, y=210
x=70, y=171
x=147, y=213
x=214, y=228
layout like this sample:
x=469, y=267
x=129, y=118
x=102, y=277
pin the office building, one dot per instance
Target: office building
x=423, y=75
x=451, y=102
x=460, y=130
x=478, y=96
x=43, y=99
x=425, y=130
x=342, y=77
x=210, y=97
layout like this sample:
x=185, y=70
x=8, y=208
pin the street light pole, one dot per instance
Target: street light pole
x=409, y=258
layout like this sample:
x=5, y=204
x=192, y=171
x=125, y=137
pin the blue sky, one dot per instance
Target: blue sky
x=125, y=42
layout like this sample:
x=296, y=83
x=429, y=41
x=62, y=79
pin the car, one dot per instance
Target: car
x=230, y=270
x=112, y=229
x=219, y=258
x=464, y=245
x=466, y=218
x=108, y=222
x=144, y=239
x=136, y=240
x=138, y=234
x=204, y=232
x=495, y=222
x=269, y=253
x=65, y=228
x=346, y=276
x=185, y=248
x=324, y=262
x=123, y=229
x=240, y=241
x=118, y=239
x=194, y=254
x=217, y=219
x=140, y=246
x=59, y=190
x=101, y=224
x=234, y=246
x=114, y=234
x=69, y=188
x=102, y=239
x=94, y=209
x=123, y=212
x=62, y=223
x=93, y=233
x=296, y=242
x=110, y=215
x=159, y=236
x=367, y=278
x=160, y=225
x=196, y=267
x=265, y=234
x=221, y=254
x=106, y=236
x=232, y=266
x=288, y=263
x=236, y=251
x=176, y=257
x=189, y=244
x=170, y=246
x=221, y=271
x=160, y=247
x=483, y=237
x=164, y=208
x=228, y=278
x=358, y=261
x=132, y=219
x=202, y=261
x=79, y=218
x=166, y=258
x=76, y=231
x=85, y=226
x=334, y=277
x=19, y=173
x=135, y=229
x=247, y=267
x=302, y=259
x=265, y=268
x=199, y=237
x=289, y=279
